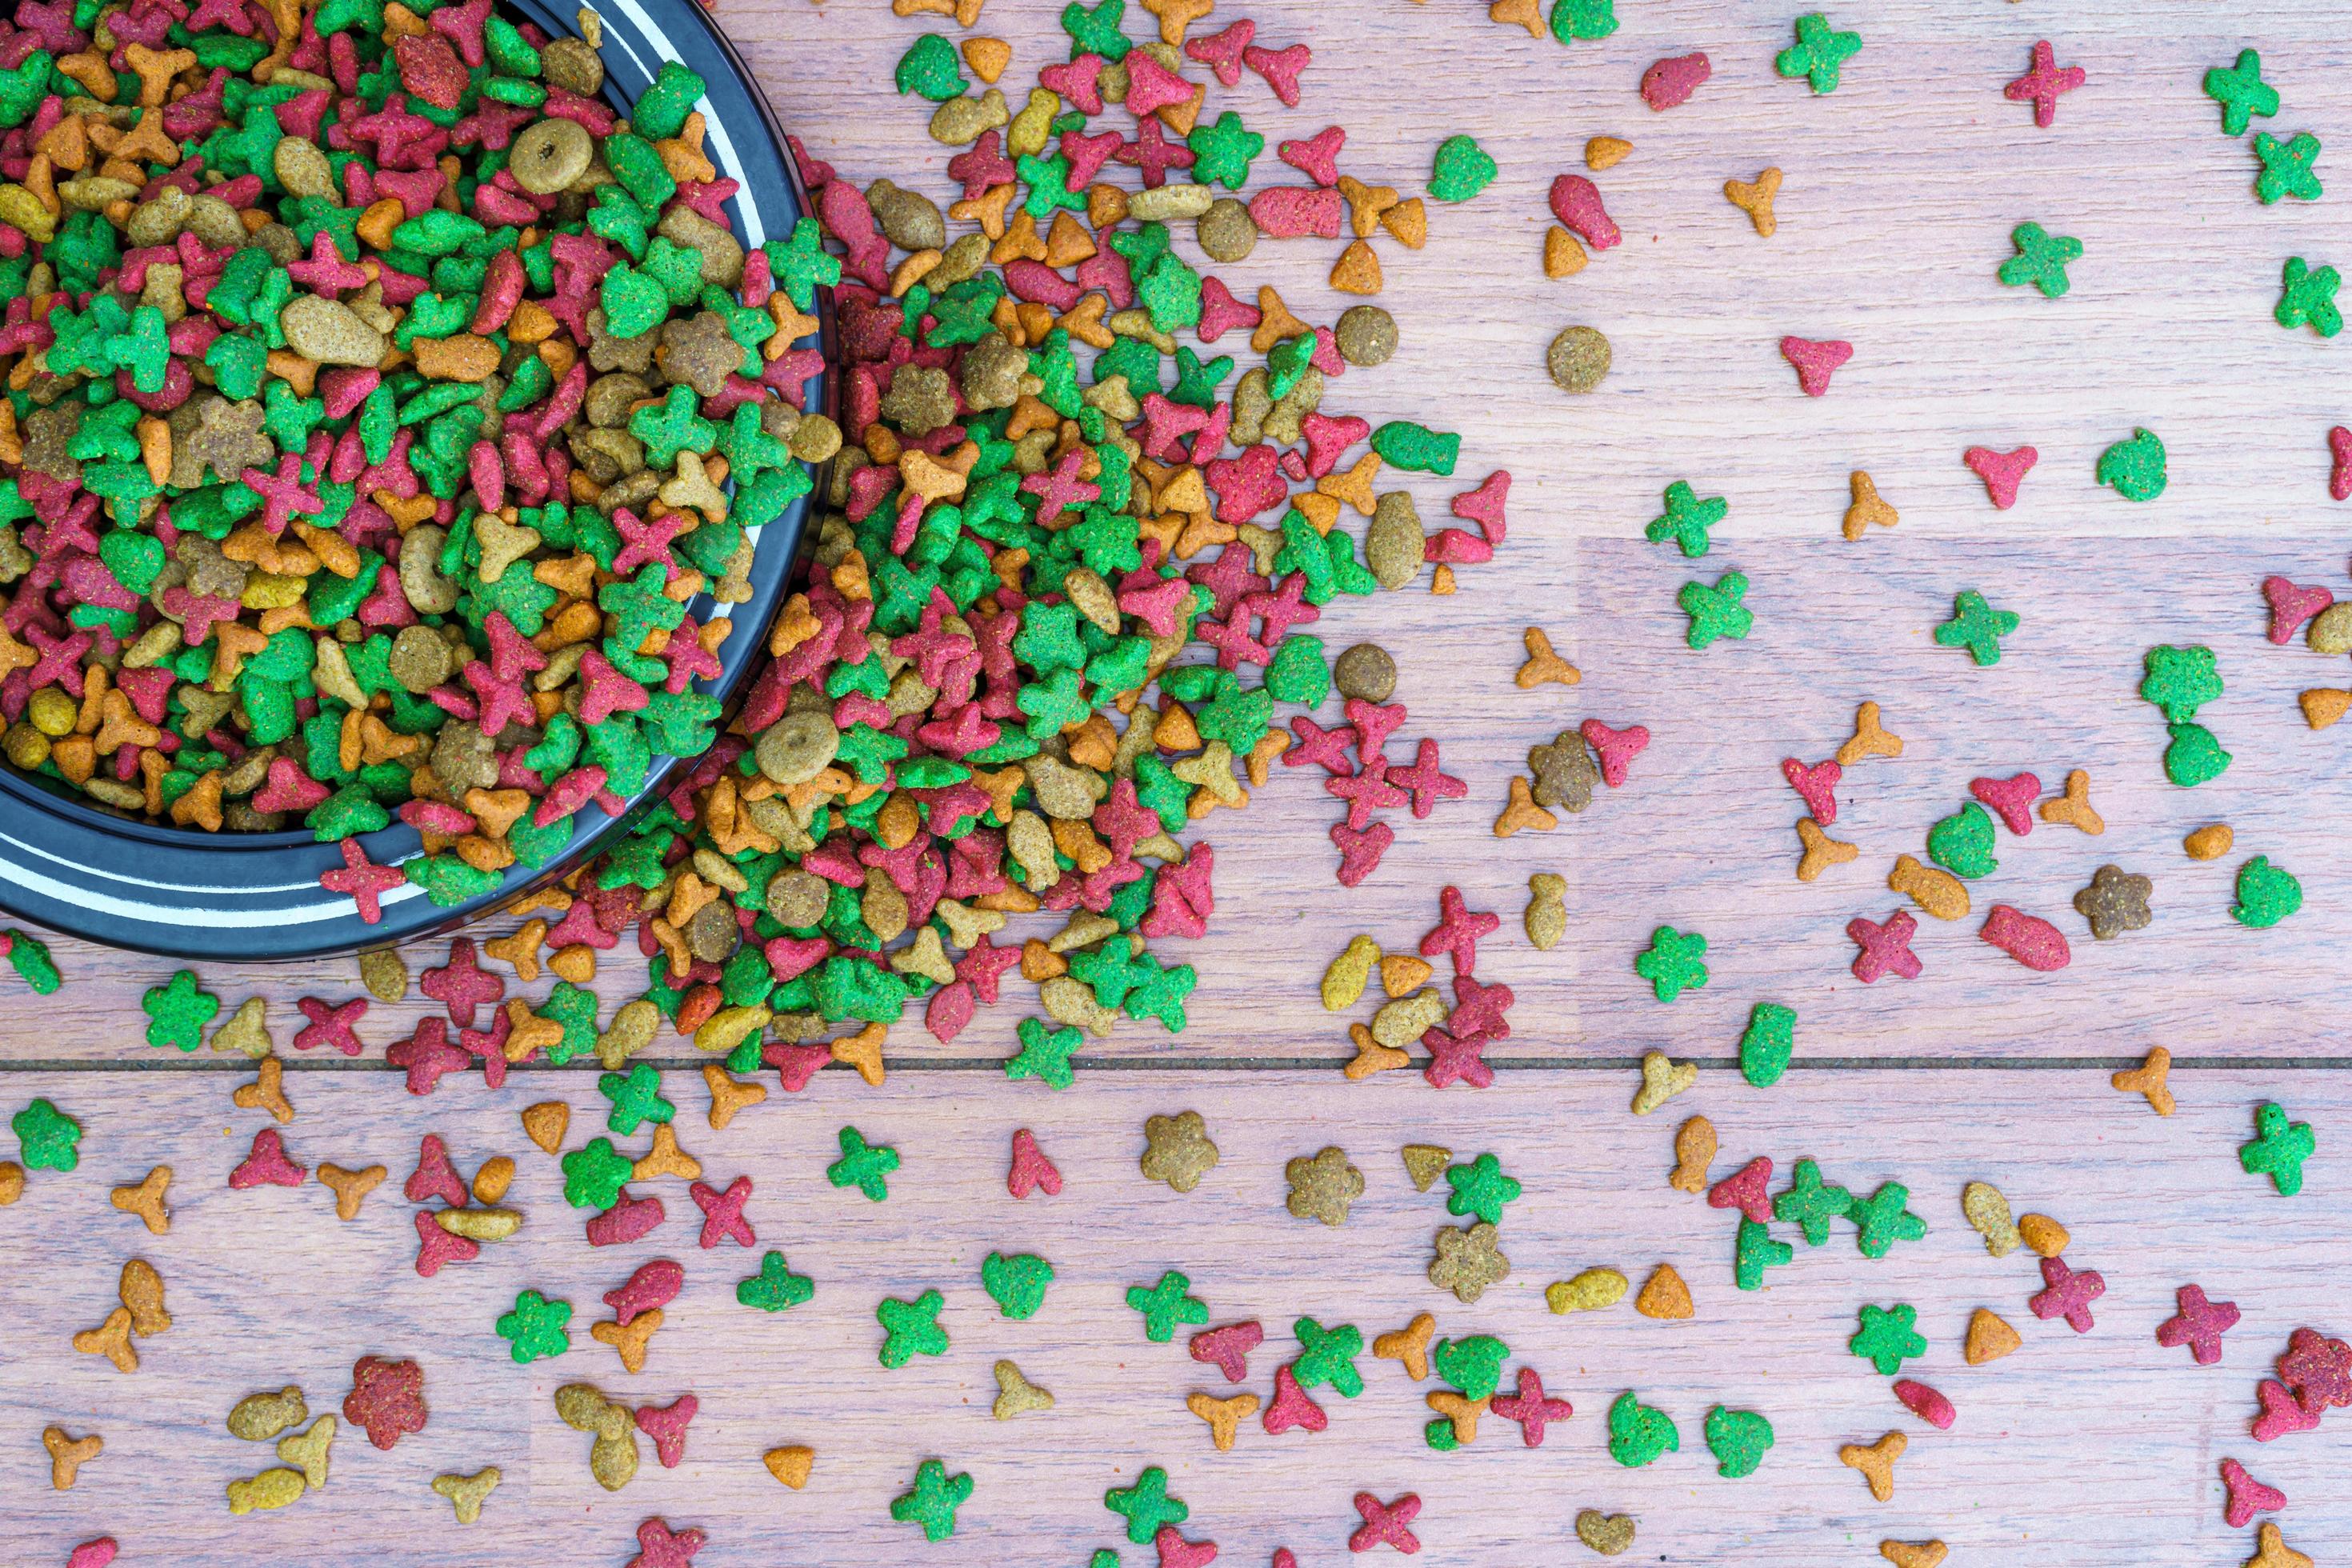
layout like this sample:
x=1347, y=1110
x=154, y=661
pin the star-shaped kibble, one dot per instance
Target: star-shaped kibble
x=1673, y=963
x=1887, y=1337
x=1717, y=611
x=865, y=1167
x=536, y=1327
x=47, y=1137
x=1467, y=1261
x=2241, y=93
x=1223, y=150
x=1818, y=53
x=2279, y=1148
x=1177, y=1149
x=2307, y=295
x=1564, y=772
x=1977, y=626
x=1687, y=519
x=1322, y=1185
x=2114, y=902
x=910, y=1329
x=1166, y=1305
x=2179, y=680
x=2041, y=259
x=1480, y=1188
x=2286, y=167
x=933, y=1501
x=177, y=1011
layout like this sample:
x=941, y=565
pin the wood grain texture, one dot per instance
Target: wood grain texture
x=1900, y=192
x=2097, y=1448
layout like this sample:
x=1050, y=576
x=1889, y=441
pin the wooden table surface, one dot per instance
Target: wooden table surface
x=1900, y=192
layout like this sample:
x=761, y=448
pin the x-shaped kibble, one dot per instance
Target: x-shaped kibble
x=2043, y=81
x=1819, y=52
x=2308, y=296
x=1045, y=1053
x=1146, y=1506
x=1530, y=1408
x=1165, y=1305
x=1716, y=611
x=2241, y=93
x=910, y=1327
x=2199, y=1324
x=1384, y=1523
x=2067, y=1293
x=1328, y=1356
x=2286, y=167
x=2041, y=259
x=2278, y=1150
x=1881, y=1220
x=722, y=1213
x=861, y=1166
x=1687, y=519
x=1977, y=626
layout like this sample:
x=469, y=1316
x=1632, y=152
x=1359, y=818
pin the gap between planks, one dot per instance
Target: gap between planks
x=1196, y=1065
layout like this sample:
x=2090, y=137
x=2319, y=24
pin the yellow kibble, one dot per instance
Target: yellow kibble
x=53, y=713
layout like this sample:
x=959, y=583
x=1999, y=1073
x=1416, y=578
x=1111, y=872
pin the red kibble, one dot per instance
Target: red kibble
x=1669, y=83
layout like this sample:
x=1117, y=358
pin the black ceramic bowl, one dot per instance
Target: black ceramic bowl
x=73, y=867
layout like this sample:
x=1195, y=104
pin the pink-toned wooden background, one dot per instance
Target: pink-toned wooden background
x=1900, y=192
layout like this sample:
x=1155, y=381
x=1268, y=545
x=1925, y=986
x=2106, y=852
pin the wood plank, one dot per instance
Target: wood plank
x=2101, y=1447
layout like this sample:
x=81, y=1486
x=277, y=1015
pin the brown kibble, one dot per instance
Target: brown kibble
x=1365, y=335
x=1869, y=740
x=1365, y=670
x=1177, y=1150
x=1912, y=1554
x=258, y=1417
x=145, y=1199
x=1469, y=1260
x=267, y=1092
x=545, y=1123
x=1563, y=253
x=1876, y=1462
x=140, y=1290
x=1989, y=1338
x=1694, y=1147
x=1408, y=1346
x=1357, y=270
x=1424, y=1163
x=465, y=1492
x=463, y=356
x=1610, y=1534
x=1820, y=851
x=1223, y=1416
x=629, y=1340
x=12, y=1182
x=1578, y=359
x=1755, y=198
x=383, y=973
x=69, y=1455
x=2148, y=1078
x=1407, y=222
x=351, y=1187
x=1664, y=1296
x=1934, y=889
x=520, y=950
x=2209, y=841
x=1543, y=665
x=110, y=1339
x=1605, y=152
x=490, y=1183
x=1547, y=917
x=1322, y=1185
x=2045, y=1235
x=1867, y=509
x=863, y=1050
x=728, y=1095
x=790, y=1464
x=576, y=963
